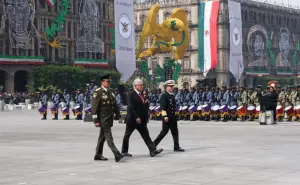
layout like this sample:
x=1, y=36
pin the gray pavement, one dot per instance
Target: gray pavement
x=35, y=152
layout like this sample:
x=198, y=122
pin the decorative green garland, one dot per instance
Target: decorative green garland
x=51, y=31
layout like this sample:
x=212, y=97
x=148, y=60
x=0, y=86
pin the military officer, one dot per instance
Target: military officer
x=168, y=105
x=103, y=108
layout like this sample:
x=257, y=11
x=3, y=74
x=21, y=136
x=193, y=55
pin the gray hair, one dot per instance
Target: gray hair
x=137, y=81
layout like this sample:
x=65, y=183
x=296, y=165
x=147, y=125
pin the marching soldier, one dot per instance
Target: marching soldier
x=168, y=105
x=103, y=108
x=56, y=101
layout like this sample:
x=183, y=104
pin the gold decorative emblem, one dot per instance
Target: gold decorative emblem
x=104, y=96
x=95, y=95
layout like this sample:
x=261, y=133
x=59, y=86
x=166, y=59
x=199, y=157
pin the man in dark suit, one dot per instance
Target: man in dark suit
x=104, y=107
x=168, y=107
x=137, y=118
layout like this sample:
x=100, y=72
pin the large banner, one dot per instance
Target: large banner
x=208, y=36
x=124, y=33
x=236, y=64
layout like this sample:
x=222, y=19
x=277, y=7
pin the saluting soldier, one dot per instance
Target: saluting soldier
x=168, y=105
x=103, y=108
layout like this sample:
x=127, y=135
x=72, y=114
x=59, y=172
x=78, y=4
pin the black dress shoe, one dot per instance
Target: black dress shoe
x=100, y=158
x=126, y=154
x=156, y=152
x=178, y=150
x=118, y=157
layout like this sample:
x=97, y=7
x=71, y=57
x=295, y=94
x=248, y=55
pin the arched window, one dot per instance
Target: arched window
x=142, y=19
x=167, y=15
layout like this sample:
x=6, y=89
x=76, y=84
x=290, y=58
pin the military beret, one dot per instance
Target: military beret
x=258, y=87
x=170, y=83
x=105, y=77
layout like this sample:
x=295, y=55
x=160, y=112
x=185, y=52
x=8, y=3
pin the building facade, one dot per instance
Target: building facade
x=267, y=30
x=30, y=30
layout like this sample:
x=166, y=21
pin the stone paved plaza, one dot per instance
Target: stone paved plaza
x=35, y=152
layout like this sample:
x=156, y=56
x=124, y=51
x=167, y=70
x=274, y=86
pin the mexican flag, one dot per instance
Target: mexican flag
x=50, y=3
x=208, y=36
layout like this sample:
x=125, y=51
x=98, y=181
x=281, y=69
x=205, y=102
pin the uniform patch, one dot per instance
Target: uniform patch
x=95, y=95
x=104, y=96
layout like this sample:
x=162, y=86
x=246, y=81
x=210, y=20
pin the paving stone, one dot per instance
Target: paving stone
x=36, y=152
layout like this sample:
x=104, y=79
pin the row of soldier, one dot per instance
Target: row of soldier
x=229, y=103
x=207, y=103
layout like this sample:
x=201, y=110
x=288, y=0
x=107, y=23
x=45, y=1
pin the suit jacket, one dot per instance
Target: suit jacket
x=136, y=109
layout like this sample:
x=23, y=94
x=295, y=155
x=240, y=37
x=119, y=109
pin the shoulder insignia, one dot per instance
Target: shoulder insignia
x=97, y=89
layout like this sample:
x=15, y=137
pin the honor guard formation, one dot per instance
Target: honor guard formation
x=228, y=104
x=198, y=104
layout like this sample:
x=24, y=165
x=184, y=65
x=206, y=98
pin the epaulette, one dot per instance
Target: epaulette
x=97, y=89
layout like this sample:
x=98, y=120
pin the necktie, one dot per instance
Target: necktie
x=141, y=97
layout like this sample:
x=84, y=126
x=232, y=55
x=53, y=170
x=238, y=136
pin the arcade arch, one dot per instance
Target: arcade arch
x=3, y=79
x=20, y=80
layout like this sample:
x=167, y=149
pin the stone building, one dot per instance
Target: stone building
x=267, y=28
x=83, y=37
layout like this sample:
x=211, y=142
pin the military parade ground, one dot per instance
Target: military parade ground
x=40, y=152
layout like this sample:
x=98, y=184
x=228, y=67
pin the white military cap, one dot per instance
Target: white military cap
x=170, y=83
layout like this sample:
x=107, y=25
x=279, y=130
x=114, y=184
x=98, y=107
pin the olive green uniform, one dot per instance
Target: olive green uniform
x=103, y=108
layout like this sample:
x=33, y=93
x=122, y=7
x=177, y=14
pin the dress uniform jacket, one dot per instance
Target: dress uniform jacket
x=104, y=106
x=168, y=105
